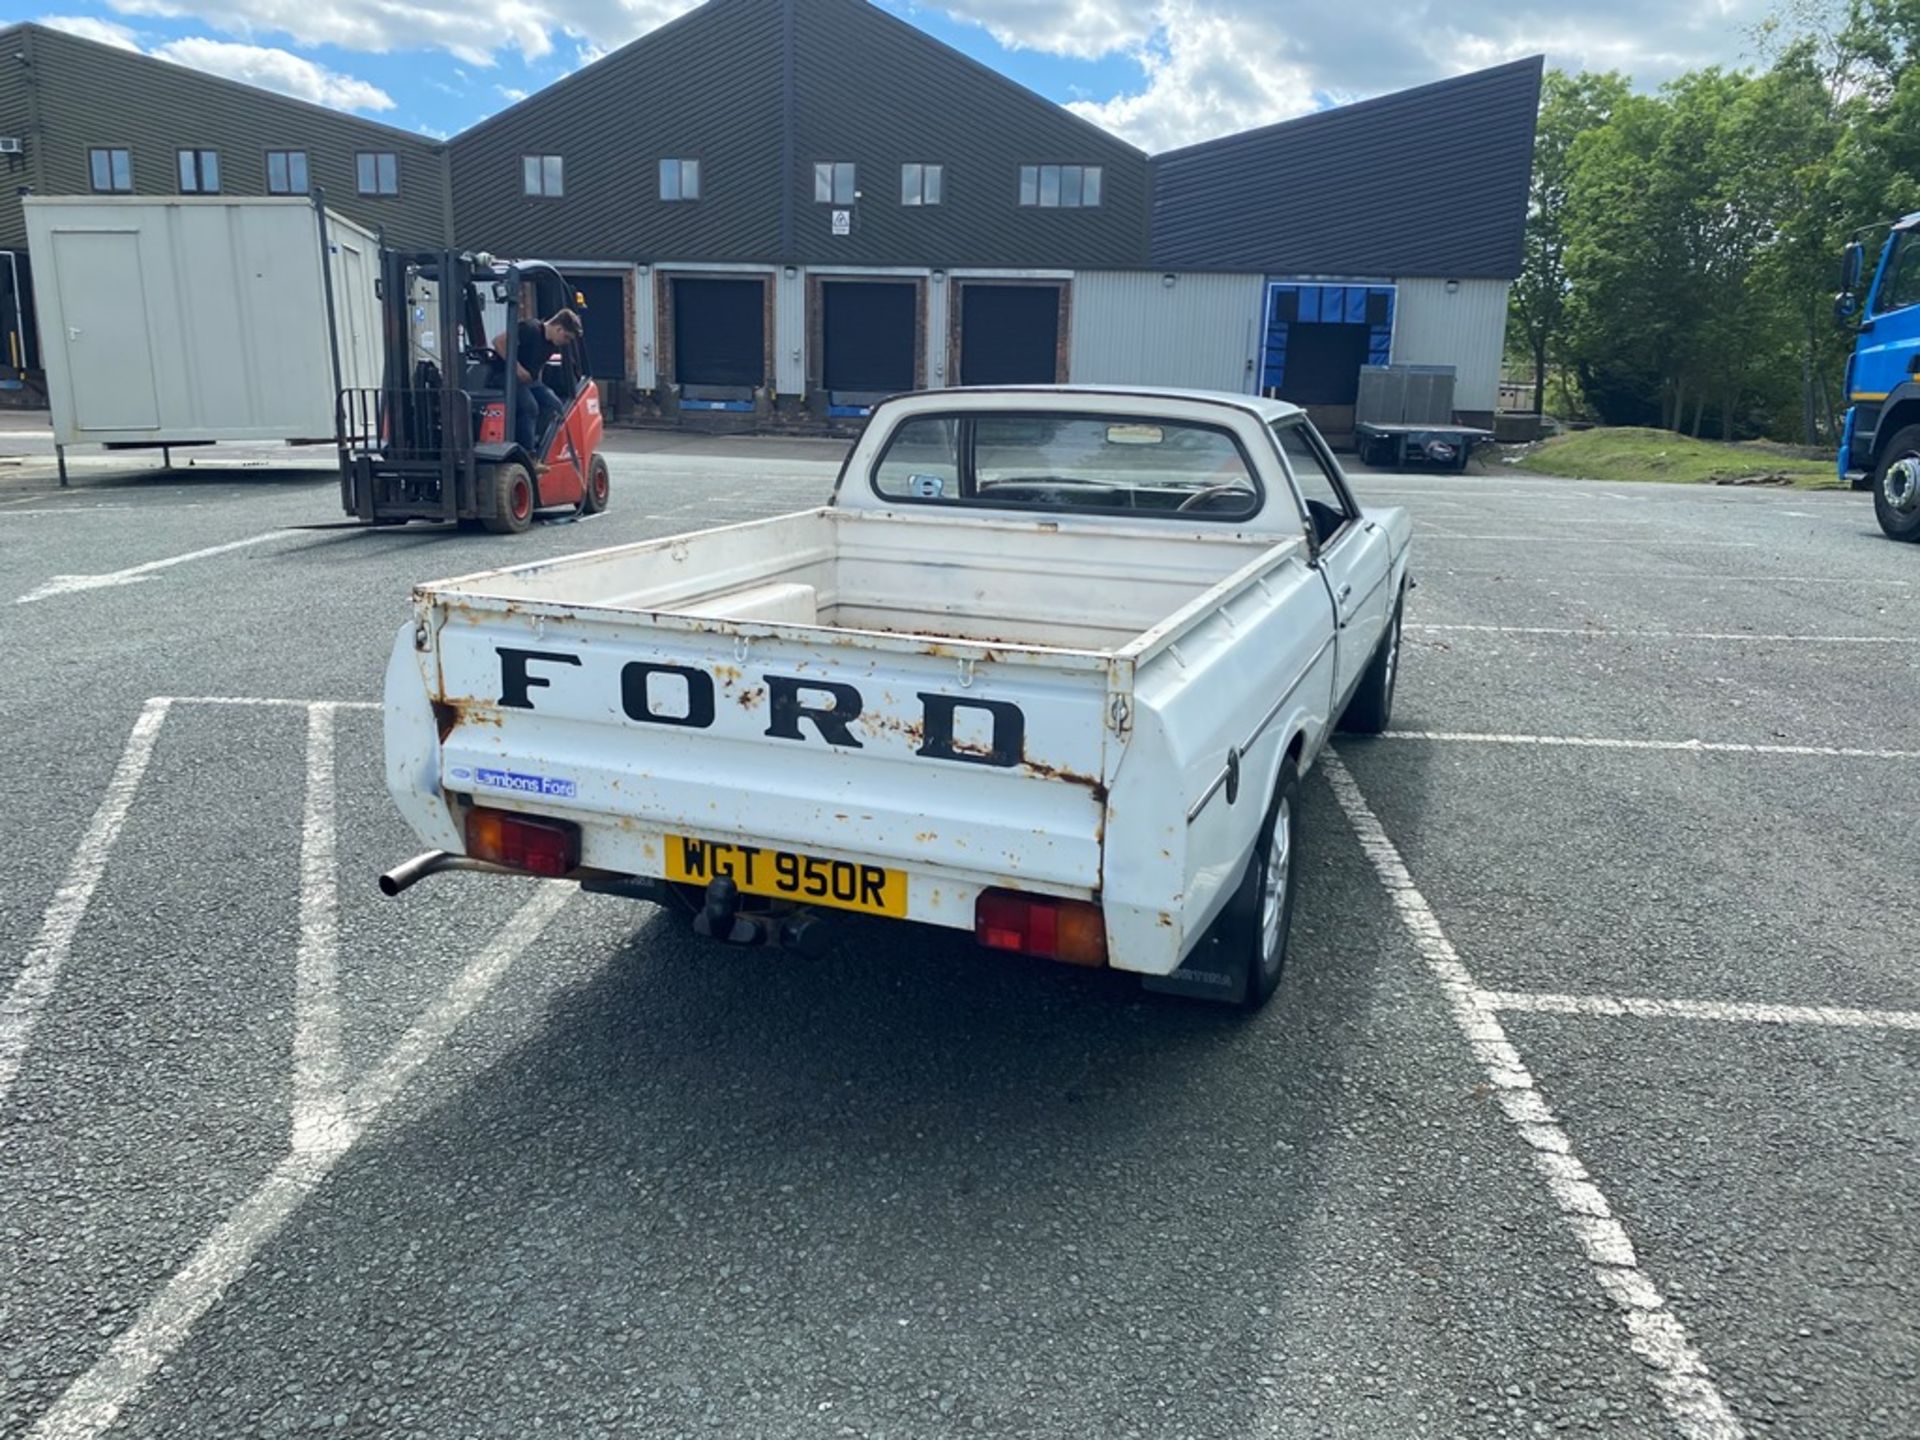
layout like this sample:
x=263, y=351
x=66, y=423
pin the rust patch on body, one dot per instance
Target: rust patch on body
x=450, y=715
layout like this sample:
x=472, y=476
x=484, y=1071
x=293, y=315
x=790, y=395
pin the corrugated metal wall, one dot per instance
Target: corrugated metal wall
x=1465, y=329
x=1431, y=180
x=92, y=94
x=706, y=87
x=872, y=89
x=16, y=120
x=1131, y=328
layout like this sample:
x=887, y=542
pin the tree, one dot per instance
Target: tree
x=1570, y=105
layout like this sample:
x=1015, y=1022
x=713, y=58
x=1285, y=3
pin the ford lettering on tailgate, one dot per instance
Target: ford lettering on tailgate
x=683, y=698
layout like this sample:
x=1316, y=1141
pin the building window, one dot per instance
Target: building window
x=679, y=179
x=377, y=172
x=833, y=182
x=199, y=172
x=1060, y=187
x=112, y=171
x=920, y=184
x=287, y=172
x=542, y=175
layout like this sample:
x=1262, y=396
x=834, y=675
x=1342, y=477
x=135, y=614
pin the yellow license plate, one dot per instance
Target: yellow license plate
x=805, y=879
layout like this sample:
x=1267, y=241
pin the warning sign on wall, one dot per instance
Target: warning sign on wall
x=843, y=222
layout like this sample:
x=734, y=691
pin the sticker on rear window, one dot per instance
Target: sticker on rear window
x=523, y=784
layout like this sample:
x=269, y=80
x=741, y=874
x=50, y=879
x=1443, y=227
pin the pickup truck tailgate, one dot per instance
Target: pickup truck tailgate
x=842, y=744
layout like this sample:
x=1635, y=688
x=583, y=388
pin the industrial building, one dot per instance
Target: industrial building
x=779, y=211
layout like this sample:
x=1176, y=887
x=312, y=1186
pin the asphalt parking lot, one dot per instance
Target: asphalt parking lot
x=1590, y=1103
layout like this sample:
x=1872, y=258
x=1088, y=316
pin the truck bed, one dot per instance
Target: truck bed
x=1099, y=589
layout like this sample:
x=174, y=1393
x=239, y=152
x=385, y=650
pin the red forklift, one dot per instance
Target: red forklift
x=436, y=440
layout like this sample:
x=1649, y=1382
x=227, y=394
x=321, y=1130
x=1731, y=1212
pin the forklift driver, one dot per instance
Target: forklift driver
x=533, y=346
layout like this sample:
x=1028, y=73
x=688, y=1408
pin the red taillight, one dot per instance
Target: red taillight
x=1070, y=930
x=520, y=842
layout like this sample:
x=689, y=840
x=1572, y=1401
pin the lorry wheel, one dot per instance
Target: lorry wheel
x=1371, y=709
x=1896, y=486
x=512, y=499
x=1260, y=915
x=599, y=486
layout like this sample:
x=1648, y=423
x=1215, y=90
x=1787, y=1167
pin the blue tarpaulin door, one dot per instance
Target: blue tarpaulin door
x=1290, y=304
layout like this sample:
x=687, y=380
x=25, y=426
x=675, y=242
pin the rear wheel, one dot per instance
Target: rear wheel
x=599, y=486
x=1259, y=919
x=1371, y=709
x=512, y=499
x=1896, y=486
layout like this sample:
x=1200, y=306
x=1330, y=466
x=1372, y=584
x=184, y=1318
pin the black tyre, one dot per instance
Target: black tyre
x=599, y=486
x=513, y=499
x=1371, y=709
x=1259, y=918
x=1896, y=485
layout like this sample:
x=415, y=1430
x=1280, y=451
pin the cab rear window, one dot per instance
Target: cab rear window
x=1051, y=462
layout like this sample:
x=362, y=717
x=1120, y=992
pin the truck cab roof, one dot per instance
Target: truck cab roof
x=1131, y=399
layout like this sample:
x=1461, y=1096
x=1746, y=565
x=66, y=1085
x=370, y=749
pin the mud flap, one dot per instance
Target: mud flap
x=1209, y=973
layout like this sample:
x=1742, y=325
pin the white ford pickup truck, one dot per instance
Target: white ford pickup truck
x=1048, y=668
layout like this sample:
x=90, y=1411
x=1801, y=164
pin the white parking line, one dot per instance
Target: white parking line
x=270, y=700
x=20, y=1012
x=1643, y=576
x=94, y=1401
x=319, y=1098
x=1643, y=541
x=134, y=574
x=1736, y=1011
x=1675, y=1368
x=1599, y=633
x=1702, y=747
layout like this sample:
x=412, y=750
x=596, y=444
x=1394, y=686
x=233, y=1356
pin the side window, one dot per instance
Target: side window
x=1326, y=498
x=1902, y=287
x=922, y=461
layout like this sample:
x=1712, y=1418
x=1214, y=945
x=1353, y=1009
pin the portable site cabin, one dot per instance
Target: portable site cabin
x=192, y=319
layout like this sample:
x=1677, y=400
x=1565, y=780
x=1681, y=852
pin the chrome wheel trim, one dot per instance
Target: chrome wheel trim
x=1901, y=485
x=1273, y=888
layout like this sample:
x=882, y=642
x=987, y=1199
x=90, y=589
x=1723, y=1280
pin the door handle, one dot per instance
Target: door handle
x=1345, y=591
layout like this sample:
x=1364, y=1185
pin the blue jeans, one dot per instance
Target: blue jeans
x=532, y=405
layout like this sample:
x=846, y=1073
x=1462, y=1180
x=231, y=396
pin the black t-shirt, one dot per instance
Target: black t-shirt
x=532, y=349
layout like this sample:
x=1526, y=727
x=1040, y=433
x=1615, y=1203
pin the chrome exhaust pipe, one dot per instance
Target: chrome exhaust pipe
x=409, y=873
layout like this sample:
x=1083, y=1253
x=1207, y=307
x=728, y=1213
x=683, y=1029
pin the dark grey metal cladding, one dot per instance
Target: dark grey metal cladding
x=874, y=90
x=1428, y=181
x=16, y=120
x=705, y=87
x=89, y=95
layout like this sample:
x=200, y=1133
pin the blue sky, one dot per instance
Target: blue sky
x=1160, y=73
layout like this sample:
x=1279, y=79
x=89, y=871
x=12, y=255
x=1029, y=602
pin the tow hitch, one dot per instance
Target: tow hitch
x=721, y=918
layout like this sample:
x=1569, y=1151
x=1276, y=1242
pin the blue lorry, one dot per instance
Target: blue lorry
x=1880, y=444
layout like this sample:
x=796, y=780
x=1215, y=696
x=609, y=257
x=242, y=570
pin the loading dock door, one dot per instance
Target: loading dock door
x=868, y=334
x=1318, y=337
x=719, y=337
x=605, y=318
x=1009, y=334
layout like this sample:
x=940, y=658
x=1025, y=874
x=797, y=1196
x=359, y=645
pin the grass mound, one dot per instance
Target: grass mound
x=1630, y=453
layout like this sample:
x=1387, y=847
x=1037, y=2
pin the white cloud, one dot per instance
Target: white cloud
x=512, y=94
x=1207, y=74
x=279, y=70
x=1215, y=66
x=472, y=30
x=89, y=27
x=1084, y=28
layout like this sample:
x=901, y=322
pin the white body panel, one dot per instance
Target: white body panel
x=1144, y=657
x=198, y=318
